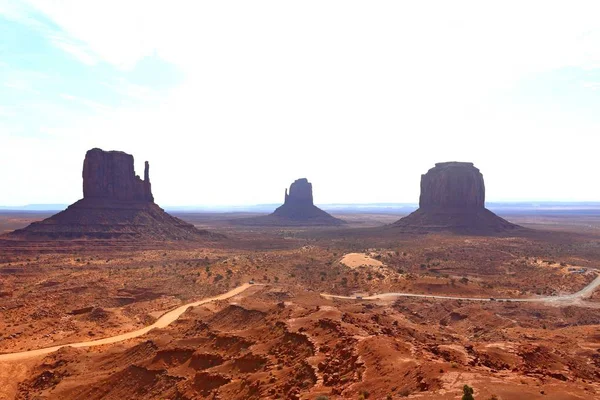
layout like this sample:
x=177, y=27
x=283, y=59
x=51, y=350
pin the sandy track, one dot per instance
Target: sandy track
x=582, y=294
x=168, y=318
x=161, y=322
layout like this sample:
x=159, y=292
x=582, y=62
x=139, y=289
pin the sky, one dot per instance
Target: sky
x=231, y=101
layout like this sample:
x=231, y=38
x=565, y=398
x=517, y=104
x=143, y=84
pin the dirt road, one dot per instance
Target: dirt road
x=580, y=295
x=172, y=315
x=161, y=322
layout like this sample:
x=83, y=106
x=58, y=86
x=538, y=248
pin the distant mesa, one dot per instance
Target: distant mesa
x=453, y=199
x=116, y=204
x=298, y=209
x=300, y=195
x=298, y=205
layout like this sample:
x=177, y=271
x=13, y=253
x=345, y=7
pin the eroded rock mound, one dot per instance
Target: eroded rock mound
x=298, y=209
x=116, y=204
x=453, y=199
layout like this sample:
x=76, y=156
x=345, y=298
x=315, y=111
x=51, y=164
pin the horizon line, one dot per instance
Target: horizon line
x=530, y=202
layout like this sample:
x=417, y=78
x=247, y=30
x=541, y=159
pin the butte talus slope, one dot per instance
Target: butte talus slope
x=298, y=209
x=116, y=204
x=453, y=199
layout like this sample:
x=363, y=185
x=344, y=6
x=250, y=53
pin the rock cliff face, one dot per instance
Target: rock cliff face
x=452, y=185
x=453, y=199
x=116, y=204
x=300, y=193
x=110, y=175
x=298, y=209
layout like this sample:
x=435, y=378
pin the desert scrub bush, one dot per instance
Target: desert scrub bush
x=468, y=393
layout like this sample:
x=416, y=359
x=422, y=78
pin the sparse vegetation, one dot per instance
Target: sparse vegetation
x=144, y=283
x=468, y=393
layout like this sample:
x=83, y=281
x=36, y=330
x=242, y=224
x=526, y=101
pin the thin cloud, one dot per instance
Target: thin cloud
x=361, y=98
x=592, y=85
x=20, y=85
x=28, y=16
x=6, y=112
x=72, y=47
x=95, y=106
x=133, y=91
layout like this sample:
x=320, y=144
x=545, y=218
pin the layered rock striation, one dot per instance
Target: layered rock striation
x=116, y=204
x=298, y=209
x=453, y=199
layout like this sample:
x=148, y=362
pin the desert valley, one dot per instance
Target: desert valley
x=114, y=298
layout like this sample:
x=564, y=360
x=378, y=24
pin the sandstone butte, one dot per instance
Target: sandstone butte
x=116, y=204
x=298, y=209
x=453, y=199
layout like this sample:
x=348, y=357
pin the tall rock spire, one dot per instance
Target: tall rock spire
x=147, y=186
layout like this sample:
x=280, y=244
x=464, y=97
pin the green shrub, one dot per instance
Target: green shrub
x=468, y=393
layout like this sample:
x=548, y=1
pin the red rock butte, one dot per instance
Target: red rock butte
x=298, y=209
x=453, y=199
x=116, y=204
x=110, y=175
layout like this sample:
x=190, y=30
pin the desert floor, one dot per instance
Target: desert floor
x=287, y=336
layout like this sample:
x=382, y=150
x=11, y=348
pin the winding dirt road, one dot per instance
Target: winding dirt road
x=165, y=320
x=168, y=318
x=582, y=294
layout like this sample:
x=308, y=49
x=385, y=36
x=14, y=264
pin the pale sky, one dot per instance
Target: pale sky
x=230, y=101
